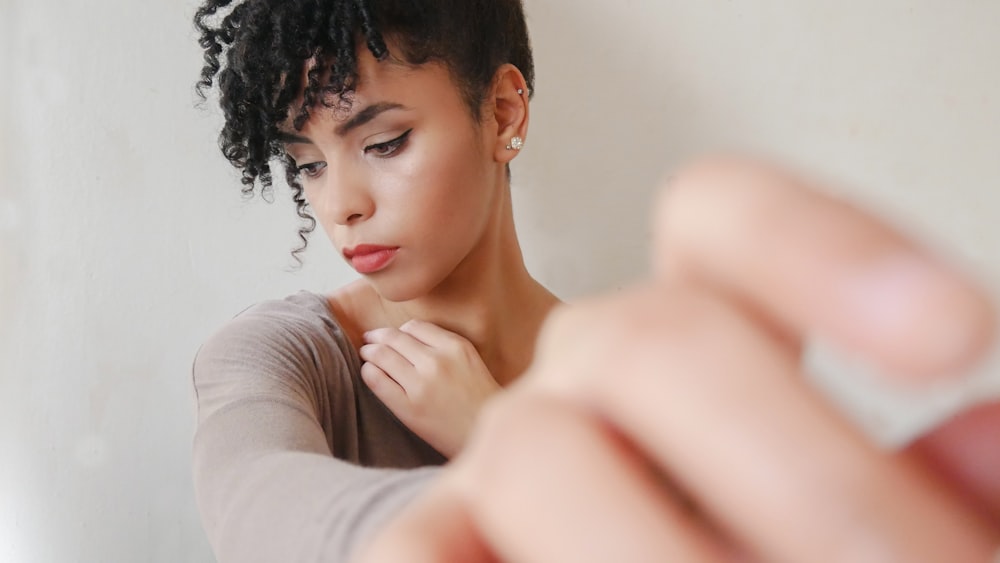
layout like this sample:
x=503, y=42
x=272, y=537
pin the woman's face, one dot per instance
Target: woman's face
x=405, y=182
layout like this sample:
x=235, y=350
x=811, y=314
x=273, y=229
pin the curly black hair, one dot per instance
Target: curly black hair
x=256, y=52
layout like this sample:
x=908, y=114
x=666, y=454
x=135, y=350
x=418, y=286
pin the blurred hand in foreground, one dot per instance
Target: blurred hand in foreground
x=670, y=421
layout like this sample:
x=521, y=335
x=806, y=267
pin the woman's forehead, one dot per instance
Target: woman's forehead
x=381, y=86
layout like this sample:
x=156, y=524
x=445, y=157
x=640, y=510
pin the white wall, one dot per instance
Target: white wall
x=124, y=241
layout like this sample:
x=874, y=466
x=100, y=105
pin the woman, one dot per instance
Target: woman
x=396, y=122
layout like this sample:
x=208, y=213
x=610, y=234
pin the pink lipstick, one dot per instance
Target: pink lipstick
x=370, y=258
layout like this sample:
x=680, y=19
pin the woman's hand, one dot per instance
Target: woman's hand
x=670, y=422
x=432, y=379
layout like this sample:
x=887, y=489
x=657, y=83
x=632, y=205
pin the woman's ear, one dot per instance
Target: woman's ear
x=510, y=100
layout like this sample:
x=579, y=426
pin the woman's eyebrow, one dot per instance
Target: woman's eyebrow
x=290, y=138
x=366, y=115
x=357, y=120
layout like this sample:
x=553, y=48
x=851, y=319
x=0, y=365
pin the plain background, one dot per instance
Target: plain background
x=124, y=241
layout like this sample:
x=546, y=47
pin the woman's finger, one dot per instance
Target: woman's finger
x=810, y=265
x=410, y=348
x=965, y=451
x=721, y=406
x=390, y=360
x=573, y=492
x=431, y=334
x=387, y=389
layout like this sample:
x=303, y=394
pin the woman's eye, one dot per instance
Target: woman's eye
x=388, y=148
x=312, y=169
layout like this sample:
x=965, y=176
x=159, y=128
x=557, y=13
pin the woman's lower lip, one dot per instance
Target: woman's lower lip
x=373, y=261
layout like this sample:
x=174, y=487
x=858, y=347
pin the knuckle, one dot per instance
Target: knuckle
x=378, y=351
x=423, y=367
x=506, y=444
x=746, y=196
x=431, y=366
x=454, y=345
x=721, y=178
x=643, y=331
x=672, y=326
x=393, y=337
x=501, y=426
x=444, y=362
x=561, y=325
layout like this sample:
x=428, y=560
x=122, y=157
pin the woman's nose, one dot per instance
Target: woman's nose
x=348, y=199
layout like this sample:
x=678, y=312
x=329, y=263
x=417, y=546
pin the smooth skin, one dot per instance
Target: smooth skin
x=671, y=421
x=455, y=315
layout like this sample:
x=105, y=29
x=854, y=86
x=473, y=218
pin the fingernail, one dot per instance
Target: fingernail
x=930, y=322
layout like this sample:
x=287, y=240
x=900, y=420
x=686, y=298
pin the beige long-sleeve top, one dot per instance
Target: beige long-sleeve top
x=295, y=460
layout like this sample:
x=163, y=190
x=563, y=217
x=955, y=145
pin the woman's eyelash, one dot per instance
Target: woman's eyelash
x=388, y=148
x=381, y=150
x=311, y=169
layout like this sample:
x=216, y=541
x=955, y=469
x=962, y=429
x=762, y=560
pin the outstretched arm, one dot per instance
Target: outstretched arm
x=670, y=421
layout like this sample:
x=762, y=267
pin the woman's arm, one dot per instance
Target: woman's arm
x=671, y=421
x=268, y=486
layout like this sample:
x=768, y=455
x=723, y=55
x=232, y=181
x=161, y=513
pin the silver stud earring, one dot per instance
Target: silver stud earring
x=516, y=144
x=520, y=91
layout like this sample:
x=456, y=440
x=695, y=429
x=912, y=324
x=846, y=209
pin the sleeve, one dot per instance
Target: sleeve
x=267, y=484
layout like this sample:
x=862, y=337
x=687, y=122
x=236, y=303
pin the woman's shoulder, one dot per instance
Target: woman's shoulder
x=303, y=316
x=301, y=311
x=291, y=344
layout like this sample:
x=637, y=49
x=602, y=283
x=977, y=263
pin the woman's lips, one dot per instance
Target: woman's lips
x=368, y=259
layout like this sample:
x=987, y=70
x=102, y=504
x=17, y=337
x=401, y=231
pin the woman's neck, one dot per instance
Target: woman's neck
x=490, y=299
